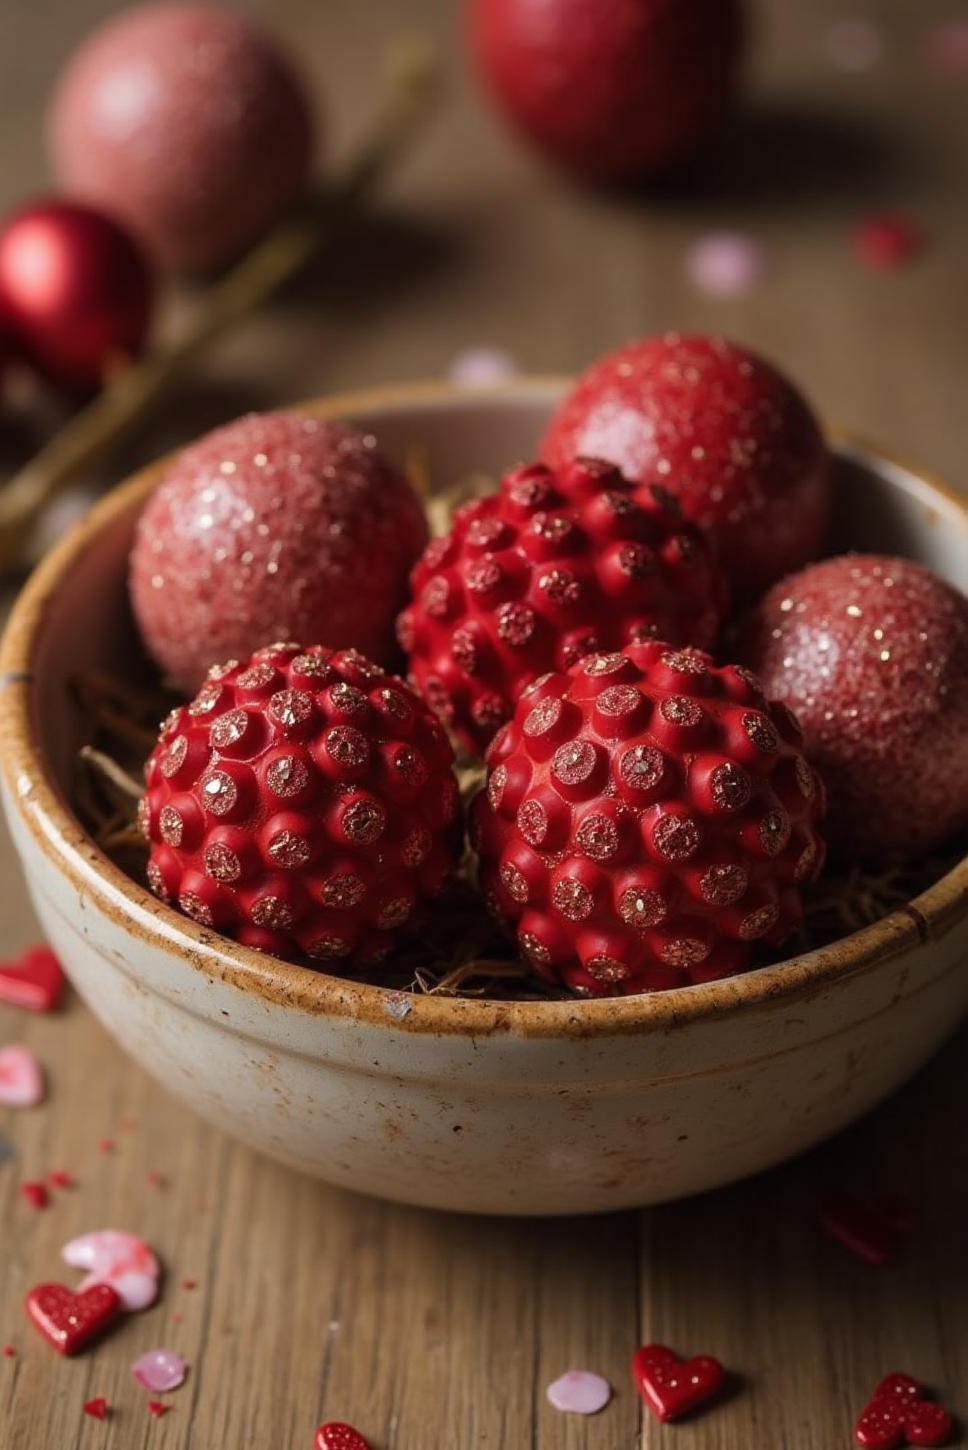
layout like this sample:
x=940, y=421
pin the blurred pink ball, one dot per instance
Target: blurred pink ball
x=186, y=122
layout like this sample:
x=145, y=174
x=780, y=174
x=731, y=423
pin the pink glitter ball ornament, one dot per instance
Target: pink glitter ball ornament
x=872, y=655
x=186, y=122
x=276, y=526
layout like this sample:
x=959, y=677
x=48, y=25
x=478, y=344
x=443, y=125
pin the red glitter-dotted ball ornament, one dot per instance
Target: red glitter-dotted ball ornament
x=75, y=292
x=304, y=803
x=614, y=90
x=188, y=123
x=723, y=431
x=556, y=565
x=275, y=526
x=872, y=654
x=647, y=819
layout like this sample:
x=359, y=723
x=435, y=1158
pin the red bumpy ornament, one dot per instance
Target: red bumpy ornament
x=614, y=90
x=558, y=564
x=647, y=818
x=304, y=803
x=719, y=428
x=275, y=526
x=872, y=654
x=75, y=292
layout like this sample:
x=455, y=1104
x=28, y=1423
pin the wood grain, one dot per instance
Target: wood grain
x=436, y=1333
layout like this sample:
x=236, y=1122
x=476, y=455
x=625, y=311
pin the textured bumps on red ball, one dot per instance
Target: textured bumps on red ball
x=722, y=430
x=558, y=564
x=647, y=819
x=304, y=803
x=275, y=526
x=872, y=654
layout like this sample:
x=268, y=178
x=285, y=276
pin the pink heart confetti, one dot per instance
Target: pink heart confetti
x=120, y=1259
x=725, y=264
x=579, y=1392
x=854, y=45
x=21, y=1078
x=159, y=1370
x=481, y=367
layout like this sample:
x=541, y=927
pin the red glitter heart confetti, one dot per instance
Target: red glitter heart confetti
x=120, y=1259
x=97, y=1409
x=579, y=1392
x=70, y=1321
x=673, y=1387
x=21, y=1077
x=159, y=1370
x=874, y=1229
x=35, y=1193
x=885, y=242
x=35, y=980
x=334, y=1435
x=897, y=1414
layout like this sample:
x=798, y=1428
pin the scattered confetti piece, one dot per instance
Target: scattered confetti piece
x=156, y=1408
x=159, y=1370
x=946, y=48
x=481, y=367
x=97, y=1409
x=128, y=1125
x=885, y=242
x=106, y=1145
x=156, y=1179
x=189, y=1283
x=35, y=980
x=21, y=1077
x=897, y=1414
x=725, y=264
x=35, y=1193
x=120, y=1259
x=672, y=1387
x=874, y=1228
x=60, y=1178
x=854, y=45
x=9, y=1352
x=579, y=1392
x=70, y=1321
x=334, y=1435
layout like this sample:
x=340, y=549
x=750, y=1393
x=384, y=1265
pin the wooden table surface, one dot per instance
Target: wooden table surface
x=437, y=1333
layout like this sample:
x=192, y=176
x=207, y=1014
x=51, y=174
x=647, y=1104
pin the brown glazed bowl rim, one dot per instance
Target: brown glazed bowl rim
x=59, y=834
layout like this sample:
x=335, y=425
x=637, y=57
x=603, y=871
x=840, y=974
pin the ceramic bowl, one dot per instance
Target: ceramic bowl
x=487, y=1106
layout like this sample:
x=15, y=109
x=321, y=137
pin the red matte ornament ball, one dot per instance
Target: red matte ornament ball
x=871, y=653
x=721, y=430
x=613, y=90
x=187, y=122
x=75, y=293
x=648, y=819
x=275, y=526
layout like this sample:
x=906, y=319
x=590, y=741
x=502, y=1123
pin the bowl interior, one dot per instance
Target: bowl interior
x=84, y=624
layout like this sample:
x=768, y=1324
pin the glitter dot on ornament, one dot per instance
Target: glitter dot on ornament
x=579, y=1392
x=884, y=242
x=725, y=264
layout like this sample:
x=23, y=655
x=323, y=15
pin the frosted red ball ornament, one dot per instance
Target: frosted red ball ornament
x=648, y=818
x=872, y=654
x=557, y=564
x=305, y=804
x=75, y=292
x=187, y=122
x=275, y=526
x=614, y=90
x=719, y=428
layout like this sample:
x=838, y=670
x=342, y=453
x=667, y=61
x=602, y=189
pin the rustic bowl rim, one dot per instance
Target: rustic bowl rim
x=61, y=837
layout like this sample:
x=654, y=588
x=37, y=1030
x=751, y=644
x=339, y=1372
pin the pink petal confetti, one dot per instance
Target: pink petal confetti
x=21, y=1078
x=854, y=45
x=946, y=48
x=481, y=367
x=579, y=1392
x=883, y=242
x=159, y=1371
x=120, y=1259
x=725, y=264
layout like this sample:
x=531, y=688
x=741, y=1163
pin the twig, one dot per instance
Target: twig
x=130, y=395
x=110, y=771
